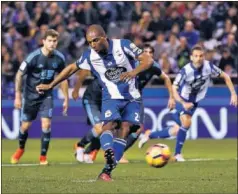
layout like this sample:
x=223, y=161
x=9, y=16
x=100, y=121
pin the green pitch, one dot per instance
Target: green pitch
x=216, y=172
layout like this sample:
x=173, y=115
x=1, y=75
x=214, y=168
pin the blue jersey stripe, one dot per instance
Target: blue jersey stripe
x=60, y=55
x=32, y=55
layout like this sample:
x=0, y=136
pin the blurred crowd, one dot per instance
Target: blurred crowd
x=172, y=28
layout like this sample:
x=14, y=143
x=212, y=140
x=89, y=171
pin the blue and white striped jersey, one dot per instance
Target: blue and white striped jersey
x=121, y=57
x=193, y=83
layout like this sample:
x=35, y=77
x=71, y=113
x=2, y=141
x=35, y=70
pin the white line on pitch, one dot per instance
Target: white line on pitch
x=75, y=163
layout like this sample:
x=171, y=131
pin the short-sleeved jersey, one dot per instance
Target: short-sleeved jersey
x=145, y=76
x=120, y=58
x=40, y=69
x=93, y=92
x=193, y=83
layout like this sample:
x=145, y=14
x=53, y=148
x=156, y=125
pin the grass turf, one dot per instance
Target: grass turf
x=65, y=175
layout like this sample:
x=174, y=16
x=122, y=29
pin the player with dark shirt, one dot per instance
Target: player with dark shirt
x=40, y=66
x=92, y=105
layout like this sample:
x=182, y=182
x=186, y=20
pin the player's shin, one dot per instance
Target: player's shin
x=180, y=139
x=45, y=141
x=164, y=133
x=131, y=139
x=23, y=135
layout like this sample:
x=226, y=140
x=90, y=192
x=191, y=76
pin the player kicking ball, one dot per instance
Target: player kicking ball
x=39, y=67
x=112, y=62
x=92, y=104
x=189, y=88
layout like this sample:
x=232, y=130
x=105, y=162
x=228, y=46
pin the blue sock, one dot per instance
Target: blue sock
x=119, y=146
x=164, y=133
x=180, y=139
x=106, y=140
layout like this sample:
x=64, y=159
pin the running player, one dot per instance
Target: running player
x=189, y=88
x=39, y=67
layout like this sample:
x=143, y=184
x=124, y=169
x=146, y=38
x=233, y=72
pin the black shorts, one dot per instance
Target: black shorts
x=93, y=110
x=30, y=109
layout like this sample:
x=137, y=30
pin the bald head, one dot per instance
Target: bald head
x=97, y=39
x=97, y=30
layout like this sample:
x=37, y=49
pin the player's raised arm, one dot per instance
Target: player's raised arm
x=81, y=76
x=145, y=60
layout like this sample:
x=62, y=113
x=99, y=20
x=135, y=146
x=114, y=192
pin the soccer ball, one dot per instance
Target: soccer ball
x=158, y=155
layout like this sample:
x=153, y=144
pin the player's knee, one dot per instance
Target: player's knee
x=98, y=128
x=174, y=130
x=25, y=126
x=186, y=124
x=46, y=125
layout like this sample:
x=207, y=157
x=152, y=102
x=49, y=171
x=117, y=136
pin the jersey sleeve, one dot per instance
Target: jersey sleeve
x=180, y=78
x=24, y=67
x=156, y=69
x=83, y=61
x=62, y=64
x=215, y=71
x=130, y=48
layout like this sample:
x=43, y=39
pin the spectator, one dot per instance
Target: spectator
x=168, y=64
x=191, y=35
x=137, y=12
x=11, y=36
x=161, y=46
x=172, y=46
x=206, y=26
x=21, y=24
x=226, y=59
x=183, y=53
x=174, y=19
x=220, y=11
x=8, y=73
x=40, y=17
x=79, y=13
x=233, y=15
x=157, y=24
x=64, y=39
x=204, y=6
x=91, y=15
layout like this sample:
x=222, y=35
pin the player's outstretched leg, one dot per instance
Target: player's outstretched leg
x=23, y=135
x=164, y=133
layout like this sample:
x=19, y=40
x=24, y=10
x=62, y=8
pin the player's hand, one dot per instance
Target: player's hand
x=75, y=94
x=42, y=87
x=127, y=76
x=17, y=103
x=65, y=107
x=233, y=100
x=188, y=105
x=171, y=103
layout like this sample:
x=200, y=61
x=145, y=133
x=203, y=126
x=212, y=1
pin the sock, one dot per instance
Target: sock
x=106, y=140
x=87, y=138
x=45, y=141
x=119, y=146
x=95, y=145
x=131, y=139
x=22, y=139
x=164, y=133
x=180, y=139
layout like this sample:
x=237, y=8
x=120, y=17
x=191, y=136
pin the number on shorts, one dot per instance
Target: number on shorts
x=136, y=117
